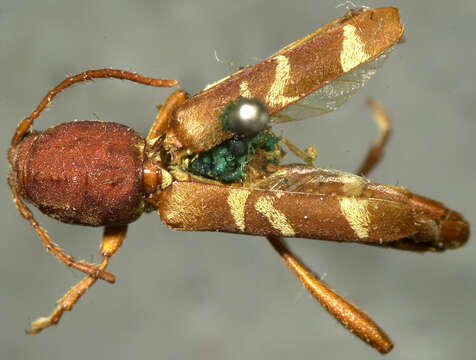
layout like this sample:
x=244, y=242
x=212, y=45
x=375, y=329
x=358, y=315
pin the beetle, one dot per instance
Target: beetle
x=211, y=163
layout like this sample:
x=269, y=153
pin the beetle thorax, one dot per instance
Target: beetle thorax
x=83, y=172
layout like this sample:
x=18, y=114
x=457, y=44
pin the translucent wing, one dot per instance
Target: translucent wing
x=331, y=96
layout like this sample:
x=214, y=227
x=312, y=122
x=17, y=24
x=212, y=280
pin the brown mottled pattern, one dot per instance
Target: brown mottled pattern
x=300, y=201
x=203, y=207
x=84, y=172
x=197, y=206
x=436, y=227
x=291, y=74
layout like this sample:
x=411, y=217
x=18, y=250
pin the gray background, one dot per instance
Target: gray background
x=219, y=296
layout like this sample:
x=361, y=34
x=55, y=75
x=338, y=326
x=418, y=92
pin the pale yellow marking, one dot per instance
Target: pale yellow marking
x=178, y=174
x=237, y=201
x=278, y=220
x=352, y=185
x=312, y=151
x=244, y=90
x=281, y=80
x=356, y=213
x=191, y=123
x=353, y=50
x=151, y=142
x=166, y=179
x=174, y=210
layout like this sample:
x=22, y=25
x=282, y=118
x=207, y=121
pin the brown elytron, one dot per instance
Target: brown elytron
x=105, y=174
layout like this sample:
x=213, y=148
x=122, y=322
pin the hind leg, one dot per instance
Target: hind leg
x=375, y=153
x=349, y=315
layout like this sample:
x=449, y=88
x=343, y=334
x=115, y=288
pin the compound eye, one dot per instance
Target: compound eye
x=247, y=117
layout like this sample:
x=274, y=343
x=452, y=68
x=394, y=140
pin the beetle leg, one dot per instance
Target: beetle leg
x=111, y=242
x=375, y=153
x=165, y=112
x=67, y=259
x=346, y=313
x=25, y=125
x=307, y=156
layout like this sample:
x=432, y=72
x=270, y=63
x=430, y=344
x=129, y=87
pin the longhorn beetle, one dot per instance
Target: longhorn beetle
x=211, y=163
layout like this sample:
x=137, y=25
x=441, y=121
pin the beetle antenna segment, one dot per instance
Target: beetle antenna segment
x=22, y=128
x=346, y=313
x=25, y=124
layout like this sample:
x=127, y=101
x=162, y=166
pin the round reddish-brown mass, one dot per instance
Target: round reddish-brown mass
x=83, y=172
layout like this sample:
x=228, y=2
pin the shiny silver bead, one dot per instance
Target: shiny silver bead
x=248, y=117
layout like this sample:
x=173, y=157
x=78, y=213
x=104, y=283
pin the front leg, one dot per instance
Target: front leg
x=111, y=242
x=67, y=259
x=161, y=123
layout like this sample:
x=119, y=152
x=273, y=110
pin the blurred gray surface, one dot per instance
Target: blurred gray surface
x=218, y=296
